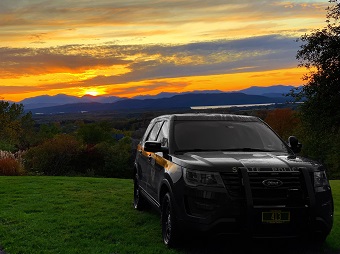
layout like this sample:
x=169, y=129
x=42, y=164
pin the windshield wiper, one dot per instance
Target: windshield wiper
x=247, y=149
x=198, y=150
x=244, y=149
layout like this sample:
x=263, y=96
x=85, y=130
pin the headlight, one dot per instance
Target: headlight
x=195, y=178
x=320, y=179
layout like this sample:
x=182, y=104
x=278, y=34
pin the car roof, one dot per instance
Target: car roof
x=209, y=117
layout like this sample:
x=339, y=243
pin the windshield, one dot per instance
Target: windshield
x=226, y=136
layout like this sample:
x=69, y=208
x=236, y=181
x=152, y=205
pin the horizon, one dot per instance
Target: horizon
x=149, y=95
x=136, y=95
x=127, y=49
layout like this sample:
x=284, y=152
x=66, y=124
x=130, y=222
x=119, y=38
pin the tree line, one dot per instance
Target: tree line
x=65, y=148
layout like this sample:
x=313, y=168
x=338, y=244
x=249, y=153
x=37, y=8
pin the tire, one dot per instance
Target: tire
x=138, y=200
x=170, y=232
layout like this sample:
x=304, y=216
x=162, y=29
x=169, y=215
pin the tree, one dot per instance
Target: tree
x=115, y=160
x=93, y=134
x=320, y=115
x=48, y=131
x=320, y=54
x=15, y=126
x=283, y=121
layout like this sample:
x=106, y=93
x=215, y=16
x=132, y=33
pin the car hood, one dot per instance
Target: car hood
x=253, y=161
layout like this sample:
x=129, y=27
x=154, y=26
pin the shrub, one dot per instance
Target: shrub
x=115, y=160
x=10, y=165
x=90, y=162
x=56, y=156
x=65, y=155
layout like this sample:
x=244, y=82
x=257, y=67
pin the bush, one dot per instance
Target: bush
x=56, y=156
x=65, y=155
x=114, y=160
x=10, y=165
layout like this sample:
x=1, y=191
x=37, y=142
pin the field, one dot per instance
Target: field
x=95, y=215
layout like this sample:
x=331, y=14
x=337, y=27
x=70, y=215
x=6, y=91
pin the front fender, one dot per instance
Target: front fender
x=176, y=190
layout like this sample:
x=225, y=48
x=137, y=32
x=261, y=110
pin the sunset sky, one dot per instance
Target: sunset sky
x=128, y=48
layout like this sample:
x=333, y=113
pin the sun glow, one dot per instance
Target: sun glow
x=93, y=91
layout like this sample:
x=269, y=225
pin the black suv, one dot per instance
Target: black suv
x=231, y=174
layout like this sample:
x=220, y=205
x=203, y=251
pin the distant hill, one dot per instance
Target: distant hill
x=47, y=101
x=157, y=96
x=168, y=95
x=62, y=99
x=270, y=91
x=177, y=101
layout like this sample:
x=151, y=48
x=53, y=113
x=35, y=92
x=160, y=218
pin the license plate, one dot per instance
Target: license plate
x=276, y=216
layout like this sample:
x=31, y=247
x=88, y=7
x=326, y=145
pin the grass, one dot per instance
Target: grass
x=333, y=238
x=95, y=215
x=74, y=215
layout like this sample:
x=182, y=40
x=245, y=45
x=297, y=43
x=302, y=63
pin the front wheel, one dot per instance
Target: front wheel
x=170, y=231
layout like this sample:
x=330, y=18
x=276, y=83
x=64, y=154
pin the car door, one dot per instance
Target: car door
x=141, y=159
x=148, y=158
x=160, y=161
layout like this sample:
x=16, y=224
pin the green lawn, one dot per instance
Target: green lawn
x=333, y=239
x=94, y=215
x=74, y=215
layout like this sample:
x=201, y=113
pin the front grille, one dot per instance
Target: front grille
x=289, y=193
x=233, y=183
x=291, y=190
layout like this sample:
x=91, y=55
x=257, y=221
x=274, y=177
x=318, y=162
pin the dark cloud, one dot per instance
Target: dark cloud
x=155, y=61
x=216, y=57
x=15, y=62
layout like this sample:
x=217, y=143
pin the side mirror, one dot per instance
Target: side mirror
x=154, y=147
x=294, y=144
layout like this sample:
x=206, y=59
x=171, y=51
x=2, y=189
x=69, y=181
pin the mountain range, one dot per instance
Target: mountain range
x=70, y=104
x=44, y=101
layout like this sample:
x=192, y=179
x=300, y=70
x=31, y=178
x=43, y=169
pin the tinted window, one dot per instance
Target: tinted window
x=154, y=132
x=146, y=134
x=225, y=135
x=163, y=135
